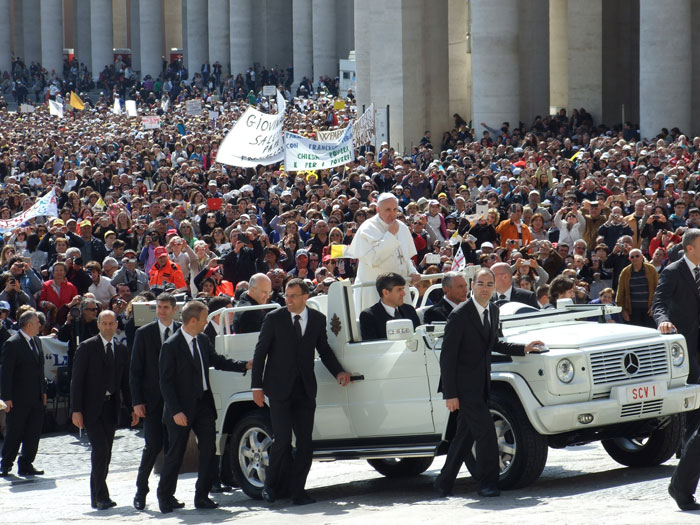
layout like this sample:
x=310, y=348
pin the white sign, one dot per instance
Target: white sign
x=255, y=138
x=306, y=154
x=151, y=122
x=117, y=107
x=46, y=206
x=269, y=91
x=56, y=108
x=164, y=104
x=194, y=107
x=131, y=108
x=55, y=355
x=382, y=125
x=364, y=127
x=213, y=115
x=26, y=108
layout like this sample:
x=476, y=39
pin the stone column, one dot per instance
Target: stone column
x=51, y=22
x=279, y=34
x=363, y=44
x=323, y=38
x=533, y=50
x=219, y=34
x=135, y=34
x=32, y=31
x=558, y=53
x=101, y=35
x=665, y=76
x=459, y=81
x=495, y=64
x=345, y=28
x=120, y=17
x=82, y=38
x=197, y=38
x=695, y=130
x=302, y=40
x=241, y=40
x=585, y=84
x=5, y=36
x=151, y=38
x=17, y=29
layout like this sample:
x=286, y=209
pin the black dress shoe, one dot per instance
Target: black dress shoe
x=140, y=501
x=30, y=471
x=442, y=492
x=165, y=507
x=218, y=488
x=683, y=502
x=490, y=491
x=5, y=473
x=303, y=499
x=174, y=503
x=268, y=495
x=205, y=503
x=105, y=504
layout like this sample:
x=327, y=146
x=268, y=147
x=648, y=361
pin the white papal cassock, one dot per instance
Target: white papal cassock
x=379, y=251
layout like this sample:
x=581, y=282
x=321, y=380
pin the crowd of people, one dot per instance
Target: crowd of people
x=564, y=208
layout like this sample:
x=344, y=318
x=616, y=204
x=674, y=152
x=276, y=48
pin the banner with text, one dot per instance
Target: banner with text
x=151, y=122
x=364, y=127
x=255, y=138
x=45, y=206
x=306, y=154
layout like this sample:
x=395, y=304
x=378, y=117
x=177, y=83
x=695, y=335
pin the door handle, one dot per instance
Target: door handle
x=357, y=377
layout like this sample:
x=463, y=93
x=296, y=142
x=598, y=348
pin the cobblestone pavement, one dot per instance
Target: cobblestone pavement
x=579, y=485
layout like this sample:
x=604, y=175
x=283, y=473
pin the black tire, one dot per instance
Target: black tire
x=248, y=452
x=649, y=451
x=523, y=451
x=401, y=467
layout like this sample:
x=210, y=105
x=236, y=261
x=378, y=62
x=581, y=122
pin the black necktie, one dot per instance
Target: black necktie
x=397, y=314
x=166, y=334
x=110, y=369
x=487, y=325
x=297, y=326
x=501, y=297
x=198, y=368
x=36, y=350
x=697, y=277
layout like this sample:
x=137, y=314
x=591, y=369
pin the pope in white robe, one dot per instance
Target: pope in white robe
x=382, y=244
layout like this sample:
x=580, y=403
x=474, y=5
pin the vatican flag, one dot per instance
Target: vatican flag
x=76, y=102
x=338, y=251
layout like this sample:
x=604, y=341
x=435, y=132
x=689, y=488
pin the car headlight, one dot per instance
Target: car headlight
x=677, y=354
x=565, y=371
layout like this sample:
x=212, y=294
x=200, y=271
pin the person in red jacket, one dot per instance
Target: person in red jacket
x=57, y=293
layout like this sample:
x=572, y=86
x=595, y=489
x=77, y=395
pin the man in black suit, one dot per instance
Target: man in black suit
x=283, y=369
x=100, y=372
x=144, y=380
x=258, y=292
x=454, y=287
x=471, y=335
x=24, y=392
x=676, y=307
x=184, y=364
x=505, y=291
x=391, y=288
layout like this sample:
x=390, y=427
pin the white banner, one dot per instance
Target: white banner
x=330, y=136
x=151, y=122
x=46, y=206
x=164, y=104
x=117, y=107
x=255, y=138
x=56, y=108
x=364, y=127
x=26, y=108
x=55, y=355
x=306, y=154
x=194, y=107
x=269, y=91
x=131, y=108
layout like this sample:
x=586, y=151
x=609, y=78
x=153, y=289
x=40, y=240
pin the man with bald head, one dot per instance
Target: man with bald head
x=382, y=244
x=259, y=291
x=506, y=292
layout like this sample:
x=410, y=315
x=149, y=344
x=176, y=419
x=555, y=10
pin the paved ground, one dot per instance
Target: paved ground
x=580, y=485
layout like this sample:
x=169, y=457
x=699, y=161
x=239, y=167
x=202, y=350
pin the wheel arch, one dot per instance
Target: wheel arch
x=238, y=407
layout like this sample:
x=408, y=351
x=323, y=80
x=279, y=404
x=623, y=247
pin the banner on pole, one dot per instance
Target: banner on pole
x=56, y=108
x=364, y=127
x=255, y=138
x=131, y=108
x=117, y=107
x=306, y=154
x=151, y=122
x=26, y=108
x=45, y=206
x=330, y=136
x=194, y=107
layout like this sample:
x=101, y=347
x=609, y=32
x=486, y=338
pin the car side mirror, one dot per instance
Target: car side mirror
x=399, y=329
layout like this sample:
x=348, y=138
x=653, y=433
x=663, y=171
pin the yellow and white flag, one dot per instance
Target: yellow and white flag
x=338, y=251
x=76, y=102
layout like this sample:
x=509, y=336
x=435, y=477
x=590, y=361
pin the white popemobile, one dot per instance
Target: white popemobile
x=619, y=384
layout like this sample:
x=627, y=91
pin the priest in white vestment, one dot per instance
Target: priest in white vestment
x=382, y=244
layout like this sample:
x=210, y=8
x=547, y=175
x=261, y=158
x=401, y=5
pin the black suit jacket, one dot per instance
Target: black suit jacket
x=676, y=300
x=22, y=372
x=438, y=312
x=89, y=381
x=373, y=320
x=465, y=359
x=178, y=374
x=248, y=322
x=280, y=358
x=519, y=295
x=144, y=375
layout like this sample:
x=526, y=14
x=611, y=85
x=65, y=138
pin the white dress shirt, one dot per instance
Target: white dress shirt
x=162, y=327
x=189, y=339
x=480, y=310
x=303, y=321
x=391, y=310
